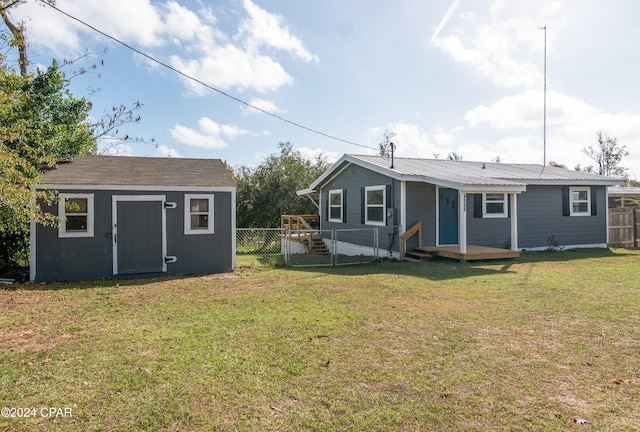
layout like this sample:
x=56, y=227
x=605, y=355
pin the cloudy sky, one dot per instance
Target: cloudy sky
x=463, y=76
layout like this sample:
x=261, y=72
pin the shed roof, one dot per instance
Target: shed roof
x=466, y=175
x=93, y=170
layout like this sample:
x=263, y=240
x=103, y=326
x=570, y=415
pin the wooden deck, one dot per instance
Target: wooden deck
x=473, y=252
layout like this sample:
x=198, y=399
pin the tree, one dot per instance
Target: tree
x=607, y=154
x=453, y=156
x=268, y=191
x=386, y=145
x=40, y=124
x=18, y=40
x=41, y=120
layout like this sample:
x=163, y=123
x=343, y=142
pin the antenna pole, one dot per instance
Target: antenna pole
x=544, y=131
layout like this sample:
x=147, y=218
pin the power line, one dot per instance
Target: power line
x=189, y=77
x=2, y=9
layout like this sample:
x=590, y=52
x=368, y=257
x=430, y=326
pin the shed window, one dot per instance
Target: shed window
x=198, y=215
x=580, y=201
x=76, y=215
x=375, y=204
x=495, y=205
x=335, y=206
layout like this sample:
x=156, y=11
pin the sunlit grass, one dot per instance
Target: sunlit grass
x=528, y=344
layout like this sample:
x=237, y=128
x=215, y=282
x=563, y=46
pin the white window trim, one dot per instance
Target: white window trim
x=383, y=205
x=576, y=189
x=329, y=206
x=187, y=214
x=62, y=213
x=505, y=204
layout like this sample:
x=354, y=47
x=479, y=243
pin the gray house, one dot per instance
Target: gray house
x=464, y=204
x=136, y=217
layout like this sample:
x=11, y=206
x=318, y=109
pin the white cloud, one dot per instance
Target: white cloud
x=164, y=151
x=490, y=53
x=140, y=23
x=519, y=111
x=240, y=58
x=312, y=154
x=265, y=105
x=210, y=134
x=411, y=141
x=228, y=66
x=262, y=28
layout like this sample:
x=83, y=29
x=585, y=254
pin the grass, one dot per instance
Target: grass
x=529, y=344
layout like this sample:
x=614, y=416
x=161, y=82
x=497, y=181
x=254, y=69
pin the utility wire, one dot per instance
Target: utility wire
x=179, y=72
x=2, y=9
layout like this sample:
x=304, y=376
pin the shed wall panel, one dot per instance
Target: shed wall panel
x=92, y=258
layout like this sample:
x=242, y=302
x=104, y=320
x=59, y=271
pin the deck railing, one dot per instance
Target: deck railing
x=417, y=228
x=300, y=222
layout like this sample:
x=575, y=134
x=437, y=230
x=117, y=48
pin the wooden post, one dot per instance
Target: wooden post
x=514, y=222
x=462, y=222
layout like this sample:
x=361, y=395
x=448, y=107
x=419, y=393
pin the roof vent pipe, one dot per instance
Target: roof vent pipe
x=392, y=147
x=484, y=166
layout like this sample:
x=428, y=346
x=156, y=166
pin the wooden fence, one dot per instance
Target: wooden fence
x=624, y=227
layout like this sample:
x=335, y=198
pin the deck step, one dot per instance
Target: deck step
x=416, y=256
x=411, y=259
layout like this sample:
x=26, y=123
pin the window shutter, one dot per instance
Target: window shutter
x=363, y=207
x=389, y=201
x=594, y=201
x=389, y=196
x=508, y=205
x=477, y=206
x=325, y=207
x=565, y=201
x=344, y=205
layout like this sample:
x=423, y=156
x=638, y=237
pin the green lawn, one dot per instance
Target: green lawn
x=529, y=344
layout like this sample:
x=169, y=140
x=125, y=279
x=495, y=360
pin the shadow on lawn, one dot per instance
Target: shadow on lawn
x=94, y=284
x=443, y=268
x=435, y=269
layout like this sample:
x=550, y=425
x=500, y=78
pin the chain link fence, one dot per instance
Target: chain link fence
x=308, y=248
x=259, y=246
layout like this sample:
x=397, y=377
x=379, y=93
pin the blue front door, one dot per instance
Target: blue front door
x=448, y=216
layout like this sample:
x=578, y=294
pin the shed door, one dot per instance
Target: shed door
x=139, y=234
x=448, y=216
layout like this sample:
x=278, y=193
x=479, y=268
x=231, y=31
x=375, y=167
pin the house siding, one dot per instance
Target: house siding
x=351, y=180
x=92, y=257
x=483, y=231
x=421, y=206
x=540, y=217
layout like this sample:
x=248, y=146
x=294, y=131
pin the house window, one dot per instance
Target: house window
x=198, y=214
x=495, y=205
x=76, y=215
x=335, y=206
x=580, y=201
x=375, y=204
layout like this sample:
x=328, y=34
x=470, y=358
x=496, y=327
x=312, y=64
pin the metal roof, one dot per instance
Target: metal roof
x=139, y=171
x=466, y=175
x=630, y=190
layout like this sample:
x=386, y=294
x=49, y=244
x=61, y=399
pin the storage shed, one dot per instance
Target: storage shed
x=136, y=217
